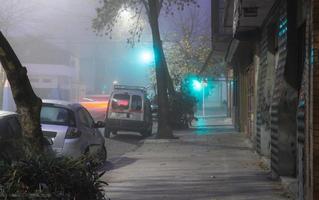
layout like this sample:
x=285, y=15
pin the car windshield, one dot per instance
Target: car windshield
x=57, y=116
x=121, y=101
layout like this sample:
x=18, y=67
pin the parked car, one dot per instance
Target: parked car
x=10, y=130
x=9, y=125
x=129, y=110
x=71, y=129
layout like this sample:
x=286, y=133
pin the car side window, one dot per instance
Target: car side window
x=85, y=118
x=136, y=103
x=89, y=118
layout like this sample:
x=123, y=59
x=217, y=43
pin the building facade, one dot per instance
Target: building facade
x=274, y=54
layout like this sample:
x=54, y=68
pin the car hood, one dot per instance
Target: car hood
x=55, y=134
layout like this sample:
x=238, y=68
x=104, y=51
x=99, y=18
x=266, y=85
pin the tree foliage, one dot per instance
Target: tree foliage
x=109, y=13
x=188, y=47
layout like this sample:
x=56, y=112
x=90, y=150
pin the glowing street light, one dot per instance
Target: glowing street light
x=125, y=14
x=197, y=85
x=200, y=86
x=147, y=57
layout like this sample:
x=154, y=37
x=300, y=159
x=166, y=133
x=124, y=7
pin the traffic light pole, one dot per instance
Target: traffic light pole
x=203, y=106
x=204, y=84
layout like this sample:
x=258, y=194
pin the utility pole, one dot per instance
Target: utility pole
x=204, y=84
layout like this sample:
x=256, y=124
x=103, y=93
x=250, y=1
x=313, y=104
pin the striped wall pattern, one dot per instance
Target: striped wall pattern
x=262, y=75
x=279, y=85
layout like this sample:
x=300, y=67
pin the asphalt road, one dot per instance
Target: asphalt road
x=122, y=143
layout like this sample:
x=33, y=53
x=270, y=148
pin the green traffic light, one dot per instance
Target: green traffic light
x=197, y=85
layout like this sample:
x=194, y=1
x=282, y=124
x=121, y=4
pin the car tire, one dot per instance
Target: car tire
x=107, y=133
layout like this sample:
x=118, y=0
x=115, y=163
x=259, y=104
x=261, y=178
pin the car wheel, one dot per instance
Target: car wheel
x=107, y=133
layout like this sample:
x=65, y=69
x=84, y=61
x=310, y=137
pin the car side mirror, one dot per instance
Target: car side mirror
x=99, y=124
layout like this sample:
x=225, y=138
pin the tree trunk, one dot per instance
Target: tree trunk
x=170, y=84
x=27, y=103
x=164, y=129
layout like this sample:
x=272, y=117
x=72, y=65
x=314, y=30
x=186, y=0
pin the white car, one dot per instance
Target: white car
x=71, y=130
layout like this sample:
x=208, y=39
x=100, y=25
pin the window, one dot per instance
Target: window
x=85, y=118
x=121, y=101
x=57, y=116
x=136, y=103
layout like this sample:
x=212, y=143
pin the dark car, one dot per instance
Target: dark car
x=10, y=132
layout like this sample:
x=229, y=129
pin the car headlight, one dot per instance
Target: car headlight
x=72, y=133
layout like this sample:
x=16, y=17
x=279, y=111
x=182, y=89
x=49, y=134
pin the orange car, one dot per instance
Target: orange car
x=96, y=105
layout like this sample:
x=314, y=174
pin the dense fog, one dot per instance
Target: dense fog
x=56, y=42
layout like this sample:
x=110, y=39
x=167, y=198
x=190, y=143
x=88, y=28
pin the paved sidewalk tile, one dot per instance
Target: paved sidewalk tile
x=200, y=165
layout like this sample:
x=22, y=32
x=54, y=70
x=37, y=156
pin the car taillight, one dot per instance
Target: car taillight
x=72, y=133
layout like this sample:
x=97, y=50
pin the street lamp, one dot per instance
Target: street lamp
x=200, y=86
x=203, y=85
x=146, y=57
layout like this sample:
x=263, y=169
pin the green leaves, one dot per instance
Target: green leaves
x=60, y=177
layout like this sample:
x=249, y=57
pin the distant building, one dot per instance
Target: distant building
x=53, y=72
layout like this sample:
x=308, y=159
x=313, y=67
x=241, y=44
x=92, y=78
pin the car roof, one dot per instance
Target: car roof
x=61, y=103
x=121, y=91
x=6, y=113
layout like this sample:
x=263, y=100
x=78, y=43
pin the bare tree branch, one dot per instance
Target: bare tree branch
x=147, y=9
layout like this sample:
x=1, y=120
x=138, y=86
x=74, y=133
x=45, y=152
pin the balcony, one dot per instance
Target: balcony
x=247, y=16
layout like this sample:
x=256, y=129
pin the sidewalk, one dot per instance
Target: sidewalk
x=210, y=166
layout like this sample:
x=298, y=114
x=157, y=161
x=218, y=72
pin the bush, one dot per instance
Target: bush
x=59, y=177
x=181, y=107
x=24, y=175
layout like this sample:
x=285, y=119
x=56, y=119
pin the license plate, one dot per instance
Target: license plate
x=121, y=115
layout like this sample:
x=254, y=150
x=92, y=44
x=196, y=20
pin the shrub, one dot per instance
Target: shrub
x=181, y=107
x=24, y=175
x=59, y=177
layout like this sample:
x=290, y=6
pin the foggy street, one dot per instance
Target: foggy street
x=159, y=99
